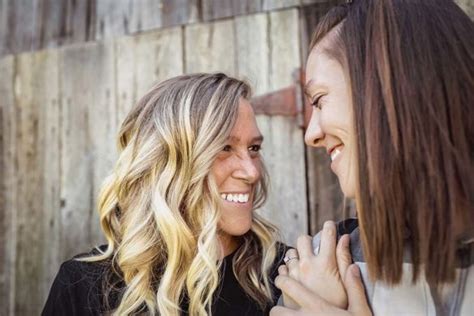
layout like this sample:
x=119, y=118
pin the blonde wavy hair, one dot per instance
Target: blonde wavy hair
x=159, y=209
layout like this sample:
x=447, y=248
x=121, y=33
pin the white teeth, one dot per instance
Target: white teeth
x=335, y=153
x=236, y=198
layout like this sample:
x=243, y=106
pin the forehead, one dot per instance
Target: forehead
x=246, y=124
x=322, y=71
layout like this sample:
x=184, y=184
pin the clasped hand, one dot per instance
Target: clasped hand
x=325, y=283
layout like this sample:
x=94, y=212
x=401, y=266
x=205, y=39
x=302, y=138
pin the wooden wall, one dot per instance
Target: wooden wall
x=28, y=25
x=60, y=110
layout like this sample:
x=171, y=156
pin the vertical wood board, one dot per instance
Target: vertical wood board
x=36, y=89
x=144, y=60
x=8, y=187
x=210, y=47
x=268, y=34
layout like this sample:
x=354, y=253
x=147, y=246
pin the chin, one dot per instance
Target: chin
x=238, y=230
x=348, y=191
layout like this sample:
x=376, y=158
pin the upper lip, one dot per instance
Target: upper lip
x=247, y=192
x=331, y=149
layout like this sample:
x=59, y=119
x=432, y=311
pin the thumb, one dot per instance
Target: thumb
x=356, y=292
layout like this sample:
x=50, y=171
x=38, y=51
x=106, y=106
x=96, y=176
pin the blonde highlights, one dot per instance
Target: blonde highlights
x=159, y=209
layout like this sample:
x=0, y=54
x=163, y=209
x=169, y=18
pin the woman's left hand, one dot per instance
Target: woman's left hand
x=323, y=273
x=312, y=304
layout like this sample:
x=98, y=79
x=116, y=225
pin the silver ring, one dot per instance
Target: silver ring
x=288, y=259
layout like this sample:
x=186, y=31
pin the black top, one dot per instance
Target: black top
x=78, y=290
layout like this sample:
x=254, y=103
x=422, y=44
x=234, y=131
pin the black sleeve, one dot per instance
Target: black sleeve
x=74, y=290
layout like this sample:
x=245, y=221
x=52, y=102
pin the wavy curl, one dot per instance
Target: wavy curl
x=159, y=209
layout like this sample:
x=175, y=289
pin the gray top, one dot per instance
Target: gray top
x=408, y=298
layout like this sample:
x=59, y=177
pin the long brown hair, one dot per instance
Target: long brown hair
x=411, y=69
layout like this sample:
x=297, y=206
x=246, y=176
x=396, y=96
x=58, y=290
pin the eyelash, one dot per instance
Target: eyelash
x=253, y=148
x=316, y=102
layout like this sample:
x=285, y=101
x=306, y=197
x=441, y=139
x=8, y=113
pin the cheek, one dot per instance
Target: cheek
x=220, y=172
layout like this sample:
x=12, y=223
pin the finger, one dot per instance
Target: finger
x=304, y=246
x=356, y=292
x=282, y=311
x=300, y=294
x=327, y=247
x=282, y=270
x=291, y=253
x=343, y=255
x=292, y=264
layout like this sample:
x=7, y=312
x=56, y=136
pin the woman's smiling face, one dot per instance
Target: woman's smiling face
x=331, y=124
x=237, y=170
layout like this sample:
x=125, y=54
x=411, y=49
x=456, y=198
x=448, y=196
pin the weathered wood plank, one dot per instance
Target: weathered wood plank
x=78, y=24
x=145, y=15
x=218, y=9
x=144, y=60
x=19, y=35
x=253, y=49
x=102, y=122
x=176, y=12
x=48, y=100
x=113, y=18
x=210, y=47
x=268, y=63
x=8, y=194
x=268, y=5
x=36, y=88
x=80, y=91
x=287, y=158
x=4, y=29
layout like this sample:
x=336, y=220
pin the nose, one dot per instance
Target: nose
x=314, y=134
x=248, y=169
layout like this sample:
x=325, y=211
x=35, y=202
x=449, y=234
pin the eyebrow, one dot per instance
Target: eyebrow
x=258, y=138
x=308, y=85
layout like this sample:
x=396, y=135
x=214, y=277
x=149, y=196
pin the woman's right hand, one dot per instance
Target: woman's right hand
x=323, y=273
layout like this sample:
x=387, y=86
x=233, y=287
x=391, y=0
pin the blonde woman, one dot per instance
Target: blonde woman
x=178, y=212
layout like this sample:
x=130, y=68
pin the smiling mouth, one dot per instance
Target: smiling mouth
x=335, y=152
x=236, y=197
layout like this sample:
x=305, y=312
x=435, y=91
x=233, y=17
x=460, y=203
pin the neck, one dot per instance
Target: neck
x=229, y=244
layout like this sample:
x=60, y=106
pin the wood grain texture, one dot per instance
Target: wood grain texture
x=287, y=156
x=177, y=12
x=268, y=64
x=210, y=47
x=253, y=62
x=268, y=5
x=36, y=92
x=218, y=9
x=8, y=196
x=82, y=70
x=144, y=60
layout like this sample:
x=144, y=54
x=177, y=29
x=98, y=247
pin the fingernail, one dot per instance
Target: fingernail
x=329, y=228
x=328, y=224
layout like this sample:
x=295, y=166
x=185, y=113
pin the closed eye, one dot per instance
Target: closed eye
x=317, y=102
